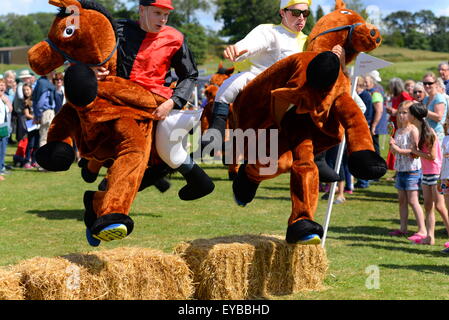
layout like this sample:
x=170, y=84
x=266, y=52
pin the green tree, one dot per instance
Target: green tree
x=20, y=30
x=425, y=20
x=319, y=13
x=188, y=8
x=416, y=40
x=401, y=21
x=357, y=6
x=394, y=39
x=196, y=38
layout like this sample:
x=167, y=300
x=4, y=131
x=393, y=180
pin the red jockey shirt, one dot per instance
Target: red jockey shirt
x=154, y=59
x=147, y=58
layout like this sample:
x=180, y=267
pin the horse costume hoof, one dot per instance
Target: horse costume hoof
x=103, y=185
x=91, y=240
x=89, y=214
x=115, y=231
x=304, y=232
x=367, y=165
x=87, y=176
x=244, y=189
x=326, y=173
x=162, y=185
x=155, y=176
x=55, y=156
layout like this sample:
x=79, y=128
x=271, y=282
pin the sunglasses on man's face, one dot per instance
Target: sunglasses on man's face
x=428, y=83
x=297, y=12
x=416, y=92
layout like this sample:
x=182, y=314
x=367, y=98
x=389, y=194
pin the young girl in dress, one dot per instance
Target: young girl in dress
x=408, y=171
x=429, y=150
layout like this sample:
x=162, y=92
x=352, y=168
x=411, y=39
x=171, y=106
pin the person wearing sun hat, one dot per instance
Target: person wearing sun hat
x=25, y=77
x=262, y=47
x=148, y=50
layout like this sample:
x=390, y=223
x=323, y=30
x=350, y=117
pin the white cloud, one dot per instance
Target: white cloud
x=443, y=12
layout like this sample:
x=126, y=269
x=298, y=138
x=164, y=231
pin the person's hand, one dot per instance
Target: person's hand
x=373, y=130
x=392, y=141
x=341, y=54
x=338, y=50
x=163, y=110
x=232, y=53
x=100, y=72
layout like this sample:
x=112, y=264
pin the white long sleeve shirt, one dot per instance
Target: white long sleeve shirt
x=269, y=43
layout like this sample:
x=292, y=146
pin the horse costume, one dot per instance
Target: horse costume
x=110, y=121
x=307, y=97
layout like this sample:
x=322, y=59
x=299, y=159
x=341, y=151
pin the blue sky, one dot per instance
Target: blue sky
x=384, y=7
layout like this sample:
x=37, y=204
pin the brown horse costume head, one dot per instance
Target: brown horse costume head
x=306, y=97
x=111, y=121
x=346, y=28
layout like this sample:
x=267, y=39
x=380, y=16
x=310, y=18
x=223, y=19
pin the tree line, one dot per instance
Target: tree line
x=420, y=30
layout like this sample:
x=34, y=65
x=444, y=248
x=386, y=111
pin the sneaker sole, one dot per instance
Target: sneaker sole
x=310, y=240
x=112, y=232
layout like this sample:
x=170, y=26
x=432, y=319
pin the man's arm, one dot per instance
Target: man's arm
x=187, y=72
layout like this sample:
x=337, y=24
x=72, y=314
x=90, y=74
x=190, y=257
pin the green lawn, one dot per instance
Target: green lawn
x=42, y=216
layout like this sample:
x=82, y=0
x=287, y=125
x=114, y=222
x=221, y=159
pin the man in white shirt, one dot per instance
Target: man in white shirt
x=262, y=47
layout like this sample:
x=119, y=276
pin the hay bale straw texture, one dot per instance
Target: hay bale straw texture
x=252, y=266
x=10, y=286
x=117, y=274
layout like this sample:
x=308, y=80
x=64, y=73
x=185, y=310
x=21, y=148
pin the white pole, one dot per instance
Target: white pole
x=330, y=201
x=195, y=93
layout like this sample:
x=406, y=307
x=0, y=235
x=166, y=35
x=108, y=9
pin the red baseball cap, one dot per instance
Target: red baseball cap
x=166, y=4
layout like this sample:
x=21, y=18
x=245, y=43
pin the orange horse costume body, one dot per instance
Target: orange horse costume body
x=111, y=121
x=307, y=98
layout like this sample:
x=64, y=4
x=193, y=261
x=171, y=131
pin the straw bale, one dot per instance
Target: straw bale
x=61, y=279
x=117, y=274
x=10, y=286
x=147, y=274
x=252, y=266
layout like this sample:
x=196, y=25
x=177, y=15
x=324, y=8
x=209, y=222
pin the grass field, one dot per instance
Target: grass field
x=41, y=215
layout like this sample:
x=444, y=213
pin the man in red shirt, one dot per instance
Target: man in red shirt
x=148, y=50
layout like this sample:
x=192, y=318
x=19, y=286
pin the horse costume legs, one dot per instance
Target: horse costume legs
x=106, y=215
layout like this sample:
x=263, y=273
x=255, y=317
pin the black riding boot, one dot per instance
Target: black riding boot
x=219, y=117
x=199, y=184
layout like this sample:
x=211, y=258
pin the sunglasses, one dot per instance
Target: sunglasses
x=297, y=12
x=428, y=83
x=415, y=92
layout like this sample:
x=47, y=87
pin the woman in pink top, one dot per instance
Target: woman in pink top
x=429, y=151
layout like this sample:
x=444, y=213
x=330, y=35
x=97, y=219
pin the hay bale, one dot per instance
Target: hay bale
x=61, y=279
x=252, y=266
x=122, y=273
x=10, y=286
x=147, y=274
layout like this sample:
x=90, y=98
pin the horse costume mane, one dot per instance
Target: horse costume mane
x=110, y=121
x=307, y=98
